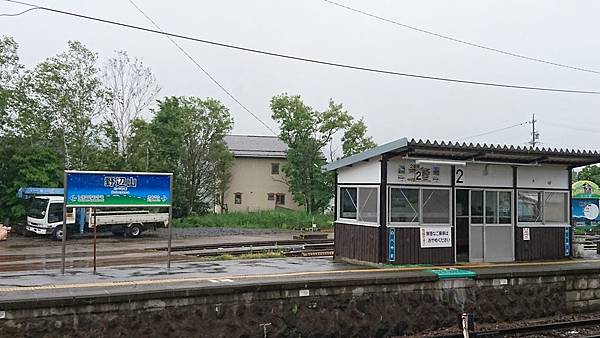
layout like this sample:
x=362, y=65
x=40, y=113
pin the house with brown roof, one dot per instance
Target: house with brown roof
x=257, y=179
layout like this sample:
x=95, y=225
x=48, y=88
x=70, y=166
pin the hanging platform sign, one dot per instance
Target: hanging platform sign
x=436, y=237
x=117, y=189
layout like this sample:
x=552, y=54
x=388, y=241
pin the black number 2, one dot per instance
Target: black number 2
x=459, y=176
x=418, y=176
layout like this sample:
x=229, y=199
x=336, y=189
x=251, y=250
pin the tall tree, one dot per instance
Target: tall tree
x=187, y=139
x=307, y=131
x=131, y=88
x=63, y=96
x=10, y=72
x=355, y=139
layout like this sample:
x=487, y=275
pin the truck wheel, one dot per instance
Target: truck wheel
x=57, y=233
x=135, y=231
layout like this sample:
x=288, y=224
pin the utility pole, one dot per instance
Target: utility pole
x=535, y=135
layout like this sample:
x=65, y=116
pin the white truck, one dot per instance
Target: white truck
x=45, y=217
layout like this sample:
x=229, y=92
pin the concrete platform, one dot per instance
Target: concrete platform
x=44, y=287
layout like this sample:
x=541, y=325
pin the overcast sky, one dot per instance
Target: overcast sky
x=393, y=107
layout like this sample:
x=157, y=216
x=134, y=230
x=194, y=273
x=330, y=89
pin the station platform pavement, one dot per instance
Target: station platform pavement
x=43, y=288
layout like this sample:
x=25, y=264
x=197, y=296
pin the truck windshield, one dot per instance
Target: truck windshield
x=37, y=208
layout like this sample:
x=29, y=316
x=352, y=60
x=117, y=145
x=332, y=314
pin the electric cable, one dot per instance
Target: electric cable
x=310, y=60
x=464, y=42
x=212, y=78
x=493, y=131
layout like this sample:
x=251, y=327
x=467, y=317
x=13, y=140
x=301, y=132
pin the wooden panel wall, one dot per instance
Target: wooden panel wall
x=544, y=243
x=357, y=242
x=409, y=251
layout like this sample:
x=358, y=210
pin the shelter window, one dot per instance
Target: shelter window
x=555, y=207
x=498, y=207
x=404, y=204
x=419, y=206
x=271, y=196
x=348, y=202
x=436, y=206
x=476, y=206
x=544, y=207
x=237, y=198
x=359, y=203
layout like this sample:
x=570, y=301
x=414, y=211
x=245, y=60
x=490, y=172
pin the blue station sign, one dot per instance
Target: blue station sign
x=117, y=189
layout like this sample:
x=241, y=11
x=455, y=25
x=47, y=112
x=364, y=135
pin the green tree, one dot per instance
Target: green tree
x=62, y=97
x=355, y=139
x=590, y=173
x=187, y=139
x=307, y=131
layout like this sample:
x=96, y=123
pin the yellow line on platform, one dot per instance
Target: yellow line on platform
x=288, y=274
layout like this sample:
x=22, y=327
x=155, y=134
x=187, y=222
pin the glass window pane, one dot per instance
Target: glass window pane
x=505, y=207
x=348, y=203
x=476, y=207
x=529, y=206
x=462, y=203
x=367, y=205
x=555, y=207
x=491, y=207
x=436, y=207
x=404, y=205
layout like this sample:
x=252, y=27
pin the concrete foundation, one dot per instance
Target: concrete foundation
x=362, y=305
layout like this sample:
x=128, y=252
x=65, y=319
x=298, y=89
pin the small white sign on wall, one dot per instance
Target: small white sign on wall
x=526, y=234
x=436, y=237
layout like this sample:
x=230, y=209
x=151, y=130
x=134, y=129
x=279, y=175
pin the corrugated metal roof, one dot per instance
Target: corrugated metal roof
x=473, y=152
x=256, y=146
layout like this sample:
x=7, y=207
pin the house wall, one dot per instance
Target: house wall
x=252, y=178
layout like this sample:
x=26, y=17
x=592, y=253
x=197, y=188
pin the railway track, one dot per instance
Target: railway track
x=83, y=259
x=538, y=330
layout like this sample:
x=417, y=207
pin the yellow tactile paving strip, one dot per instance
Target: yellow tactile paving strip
x=279, y=275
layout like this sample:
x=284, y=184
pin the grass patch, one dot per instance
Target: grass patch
x=271, y=219
x=255, y=255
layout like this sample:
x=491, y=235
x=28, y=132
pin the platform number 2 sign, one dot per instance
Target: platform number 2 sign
x=458, y=176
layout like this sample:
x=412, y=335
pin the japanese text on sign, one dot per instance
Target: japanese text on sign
x=436, y=237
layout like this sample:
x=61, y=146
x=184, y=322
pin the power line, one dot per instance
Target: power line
x=309, y=60
x=493, y=131
x=562, y=125
x=472, y=44
x=17, y=14
x=212, y=78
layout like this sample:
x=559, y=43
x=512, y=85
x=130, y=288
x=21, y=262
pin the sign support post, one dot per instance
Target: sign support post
x=95, y=225
x=170, y=223
x=64, y=227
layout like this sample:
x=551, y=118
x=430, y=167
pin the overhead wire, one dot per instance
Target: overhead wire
x=493, y=131
x=211, y=77
x=464, y=42
x=20, y=13
x=310, y=60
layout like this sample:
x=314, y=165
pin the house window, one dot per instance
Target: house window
x=274, y=168
x=270, y=196
x=238, y=198
x=279, y=199
x=361, y=204
x=544, y=207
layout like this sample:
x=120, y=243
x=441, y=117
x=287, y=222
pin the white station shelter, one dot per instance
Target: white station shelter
x=429, y=202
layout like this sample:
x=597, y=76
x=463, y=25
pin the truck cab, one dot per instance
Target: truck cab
x=45, y=216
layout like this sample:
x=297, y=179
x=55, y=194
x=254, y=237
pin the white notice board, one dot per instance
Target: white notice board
x=436, y=237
